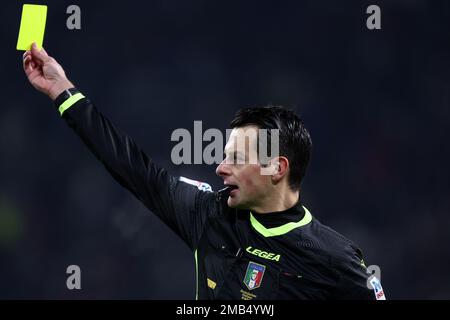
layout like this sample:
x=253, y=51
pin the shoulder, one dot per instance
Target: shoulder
x=205, y=198
x=323, y=238
x=346, y=260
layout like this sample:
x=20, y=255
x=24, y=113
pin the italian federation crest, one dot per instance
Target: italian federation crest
x=254, y=275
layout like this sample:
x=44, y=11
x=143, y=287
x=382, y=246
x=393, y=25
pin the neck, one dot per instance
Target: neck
x=279, y=200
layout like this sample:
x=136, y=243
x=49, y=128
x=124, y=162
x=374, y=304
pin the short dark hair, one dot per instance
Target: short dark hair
x=295, y=141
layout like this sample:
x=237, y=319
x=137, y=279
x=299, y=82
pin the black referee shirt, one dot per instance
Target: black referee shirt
x=239, y=254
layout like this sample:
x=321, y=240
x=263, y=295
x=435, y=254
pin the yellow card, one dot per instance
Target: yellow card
x=32, y=26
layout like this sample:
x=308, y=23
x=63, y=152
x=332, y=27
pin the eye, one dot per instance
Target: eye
x=229, y=159
x=235, y=158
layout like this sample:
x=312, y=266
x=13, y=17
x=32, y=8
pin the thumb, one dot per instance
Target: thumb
x=40, y=56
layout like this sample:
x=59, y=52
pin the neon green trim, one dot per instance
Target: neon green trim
x=70, y=102
x=278, y=231
x=196, y=275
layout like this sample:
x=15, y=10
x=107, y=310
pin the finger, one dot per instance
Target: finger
x=26, y=55
x=27, y=62
x=39, y=56
x=27, y=65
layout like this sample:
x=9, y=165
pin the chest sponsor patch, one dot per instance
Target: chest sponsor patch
x=254, y=275
x=263, y=254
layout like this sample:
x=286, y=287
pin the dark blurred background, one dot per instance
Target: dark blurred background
x=377, y=104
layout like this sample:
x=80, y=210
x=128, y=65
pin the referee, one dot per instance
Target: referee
x=254, y=239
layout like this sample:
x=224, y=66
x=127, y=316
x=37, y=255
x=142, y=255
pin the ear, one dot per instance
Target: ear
x=279, y=167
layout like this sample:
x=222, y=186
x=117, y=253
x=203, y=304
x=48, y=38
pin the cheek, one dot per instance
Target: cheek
x=253, y=181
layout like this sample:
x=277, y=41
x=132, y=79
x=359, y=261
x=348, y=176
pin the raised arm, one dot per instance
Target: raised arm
x=182, y=206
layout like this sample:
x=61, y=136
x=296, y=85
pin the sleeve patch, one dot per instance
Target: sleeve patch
x=200, y=185
x=377, y=288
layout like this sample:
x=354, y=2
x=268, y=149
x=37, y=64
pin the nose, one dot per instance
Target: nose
x=223, y=169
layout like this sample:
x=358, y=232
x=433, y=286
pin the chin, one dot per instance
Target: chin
x=232, y=203
x=236, y=204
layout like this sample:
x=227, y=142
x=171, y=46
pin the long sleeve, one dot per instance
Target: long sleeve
x=355, y=278
x=183, y=206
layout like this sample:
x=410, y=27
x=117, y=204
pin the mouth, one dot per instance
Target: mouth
x=232, y=189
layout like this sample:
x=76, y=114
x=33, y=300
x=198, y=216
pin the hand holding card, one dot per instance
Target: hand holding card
x=44, y=72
